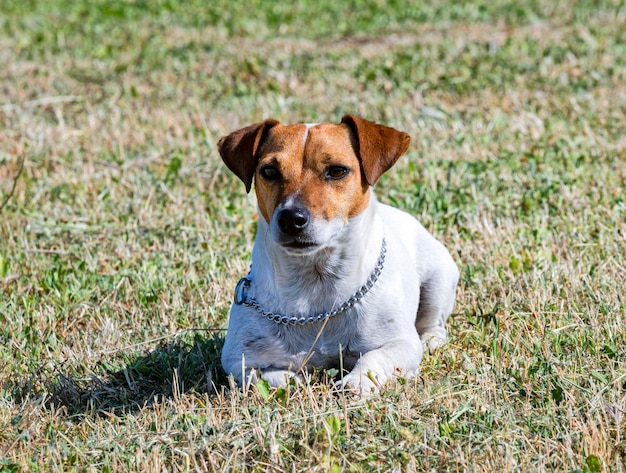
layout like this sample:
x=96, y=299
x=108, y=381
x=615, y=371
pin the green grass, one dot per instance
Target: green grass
x=124, y=236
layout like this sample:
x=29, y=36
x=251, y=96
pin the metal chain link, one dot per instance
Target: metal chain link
x=241, y=298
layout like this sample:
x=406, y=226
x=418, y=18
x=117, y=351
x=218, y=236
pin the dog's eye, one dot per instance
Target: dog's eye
x=336, y=172
x=270, y=173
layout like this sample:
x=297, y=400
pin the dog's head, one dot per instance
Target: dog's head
x=310, y=180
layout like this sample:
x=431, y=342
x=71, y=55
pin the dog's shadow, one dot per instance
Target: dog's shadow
x=169, y=370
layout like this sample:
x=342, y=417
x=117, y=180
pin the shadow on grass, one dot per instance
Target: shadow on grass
x=173, y=368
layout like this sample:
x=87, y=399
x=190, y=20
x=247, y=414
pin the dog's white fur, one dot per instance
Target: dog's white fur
x=380, y=337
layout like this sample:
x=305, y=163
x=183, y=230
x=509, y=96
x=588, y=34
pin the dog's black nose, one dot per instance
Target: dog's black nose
x=292, y=221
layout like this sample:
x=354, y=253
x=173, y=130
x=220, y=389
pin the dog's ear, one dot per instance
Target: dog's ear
x=377, y=146
x=238, y=150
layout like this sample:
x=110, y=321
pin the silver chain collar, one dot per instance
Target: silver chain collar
x=241, y=298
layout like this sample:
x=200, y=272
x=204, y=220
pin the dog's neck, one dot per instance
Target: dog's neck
x=306, y=284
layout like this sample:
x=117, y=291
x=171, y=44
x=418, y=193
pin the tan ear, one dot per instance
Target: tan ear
x=238, y=150
x=378, y=147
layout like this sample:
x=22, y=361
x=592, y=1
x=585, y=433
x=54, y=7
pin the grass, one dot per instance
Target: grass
x=124, y=235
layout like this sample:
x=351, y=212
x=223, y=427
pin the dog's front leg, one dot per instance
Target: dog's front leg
x=249, y=368
x=374, y=368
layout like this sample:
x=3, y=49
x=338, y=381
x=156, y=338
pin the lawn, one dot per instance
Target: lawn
x=122, y=234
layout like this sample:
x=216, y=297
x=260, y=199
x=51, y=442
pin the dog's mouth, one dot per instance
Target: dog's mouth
x=300, y=248
x=300, y=245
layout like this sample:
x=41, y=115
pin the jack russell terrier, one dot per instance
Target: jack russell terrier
x=337, y=278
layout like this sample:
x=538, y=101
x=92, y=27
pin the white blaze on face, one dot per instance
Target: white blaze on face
x=306, y=132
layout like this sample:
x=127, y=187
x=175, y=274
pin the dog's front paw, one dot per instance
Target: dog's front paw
x=432, y=340
x=279, y=378
x=359, y=384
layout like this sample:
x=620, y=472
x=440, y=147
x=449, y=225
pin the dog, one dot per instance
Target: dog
x=337, y=279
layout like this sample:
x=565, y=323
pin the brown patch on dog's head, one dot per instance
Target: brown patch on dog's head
x=316, y=166
x=327, y=168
